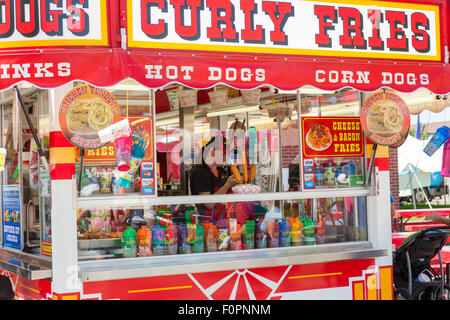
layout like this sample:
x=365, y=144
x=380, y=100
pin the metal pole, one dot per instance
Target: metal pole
x=33, y=132
x=413, y=196
x=372, y=160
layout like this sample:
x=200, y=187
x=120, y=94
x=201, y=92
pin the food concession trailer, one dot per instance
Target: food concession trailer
x=287, y=86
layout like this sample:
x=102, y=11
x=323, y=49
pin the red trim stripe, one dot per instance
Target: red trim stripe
x=57, y=139
x=62, y=171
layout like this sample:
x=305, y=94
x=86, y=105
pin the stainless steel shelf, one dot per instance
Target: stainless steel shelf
x=136, y=200
x=26, y=265
x=126, y=268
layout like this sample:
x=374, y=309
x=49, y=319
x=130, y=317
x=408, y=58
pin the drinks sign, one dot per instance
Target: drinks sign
x=385, y=118
x=332, y=137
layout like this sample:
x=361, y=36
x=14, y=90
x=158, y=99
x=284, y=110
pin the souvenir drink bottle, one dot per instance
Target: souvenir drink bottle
x=136, y=156
x=211, y=238
x=260, y=237
x=273, y=234
x=440, y=136
x=199, y=240
x=144, y=241
x=158, y=235
x=249, y=234
x=185, y=245
x=223, y=234
x=283, y=226
x=129, y=242
x=171, y=239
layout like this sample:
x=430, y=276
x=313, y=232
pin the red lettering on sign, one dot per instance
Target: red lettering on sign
x=27, y=18
x=215, y=32
x=51, y=20
x=421, y=38
x=80, y=25
x=153, y=30
x=352, y=33
x=397, y=40
x=325, y=13
x=6, y=25
x=279, y=13
x=249, y=34
x=191, y=32
x=375, y=42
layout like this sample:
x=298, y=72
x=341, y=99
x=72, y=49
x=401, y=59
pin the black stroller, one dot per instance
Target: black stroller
x=414, y=278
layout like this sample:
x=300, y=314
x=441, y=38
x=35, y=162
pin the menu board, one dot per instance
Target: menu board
x=332, y=137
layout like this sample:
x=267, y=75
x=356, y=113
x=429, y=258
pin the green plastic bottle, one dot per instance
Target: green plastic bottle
x=199, y=239
x=249, y=236
x=129, y=238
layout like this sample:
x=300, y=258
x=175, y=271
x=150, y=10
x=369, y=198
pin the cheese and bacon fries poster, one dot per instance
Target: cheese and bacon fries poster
x=332, y=137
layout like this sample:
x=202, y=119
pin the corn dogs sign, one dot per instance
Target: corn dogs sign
x=374, y=29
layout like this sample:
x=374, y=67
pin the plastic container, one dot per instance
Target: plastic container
x=136, y=156
x=445, y=171
x=129, y=238
x=188, y=98
x=273, y=234
x=199, y=239
x=122, y=146
x=211, y=235
x=171, y=239
x=183, y=240
x=144, y=241
x=158, y=236
x=296, y=232
x=250, y=96
x=248, y=234
x=223, y=234
x=218, y=97
x=308, y=231
x=260, y=237
x=439, y=137
x=284, y=233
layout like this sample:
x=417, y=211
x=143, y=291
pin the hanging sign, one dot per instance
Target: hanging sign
x=11, y=227
x=385, y=119
x=84, y=111
x=332, y=137
x=43, y=23
x=344, y=28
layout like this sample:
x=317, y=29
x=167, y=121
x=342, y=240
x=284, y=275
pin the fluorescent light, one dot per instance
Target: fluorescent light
x=238, y=109
x=166, y=122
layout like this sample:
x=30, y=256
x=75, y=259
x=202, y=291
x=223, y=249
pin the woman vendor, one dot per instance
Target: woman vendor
x=210, y=178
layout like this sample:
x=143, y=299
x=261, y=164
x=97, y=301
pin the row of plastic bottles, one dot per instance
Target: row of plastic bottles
x=210, y=237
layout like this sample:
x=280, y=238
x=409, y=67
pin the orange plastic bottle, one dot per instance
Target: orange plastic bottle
x=144, y=240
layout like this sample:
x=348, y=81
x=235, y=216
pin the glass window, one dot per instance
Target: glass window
x=213, y=227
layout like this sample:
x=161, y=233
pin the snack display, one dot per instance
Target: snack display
x=319, y=137
x=250, y=96
x=188, y=98
x=218, y=97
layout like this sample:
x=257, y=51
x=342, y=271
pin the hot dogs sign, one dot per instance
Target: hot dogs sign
x=354, y=28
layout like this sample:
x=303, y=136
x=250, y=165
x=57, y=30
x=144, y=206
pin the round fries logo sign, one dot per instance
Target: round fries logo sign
x=385, y=119
x=84, y=111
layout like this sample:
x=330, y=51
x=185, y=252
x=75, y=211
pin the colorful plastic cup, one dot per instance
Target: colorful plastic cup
x=123, y=152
